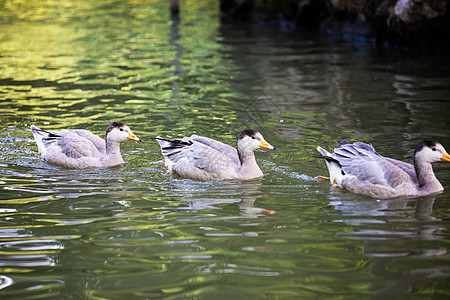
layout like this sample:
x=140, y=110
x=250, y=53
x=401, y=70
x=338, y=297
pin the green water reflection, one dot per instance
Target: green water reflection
x=135, y=232
x=129, y=60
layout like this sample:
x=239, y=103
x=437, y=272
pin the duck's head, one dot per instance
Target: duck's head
x=430, y=151
x=251, y=140
x=119, y=132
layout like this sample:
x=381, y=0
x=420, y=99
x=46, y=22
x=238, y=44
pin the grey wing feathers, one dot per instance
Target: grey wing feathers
x=98, y=142
x=195, y=154
x=405, y=167
x=361, y=160
x=73, y=143
x=211, y=160
x=70, y=145
x=219, y=146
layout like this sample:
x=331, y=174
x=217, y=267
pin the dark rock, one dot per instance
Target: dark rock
x=421, y=24
x=311, y=13
x=237, y=10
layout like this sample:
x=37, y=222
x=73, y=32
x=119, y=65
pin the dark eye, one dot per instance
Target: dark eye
x=434, y=149
x=121, y=129
x=253, y=137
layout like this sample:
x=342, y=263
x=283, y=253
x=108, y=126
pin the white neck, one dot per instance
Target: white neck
x=113, y=156
x=428, y=183
x=249, y=167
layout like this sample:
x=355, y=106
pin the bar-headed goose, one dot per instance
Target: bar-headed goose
x=359, y=169
x=79, y=148
x=203, y=158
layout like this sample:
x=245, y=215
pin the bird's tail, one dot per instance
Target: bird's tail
x=39, y=134
x=334, y=167
x=170, y=149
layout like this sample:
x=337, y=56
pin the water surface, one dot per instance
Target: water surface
x=134, y=231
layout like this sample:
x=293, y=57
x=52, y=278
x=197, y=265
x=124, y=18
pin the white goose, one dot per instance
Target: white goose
x=359, y=169
x=203, y=158
x=79, y=148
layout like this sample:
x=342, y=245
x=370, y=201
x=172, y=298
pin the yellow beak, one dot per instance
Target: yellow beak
x=132, y=136
x=446, y=157
x=266, y=145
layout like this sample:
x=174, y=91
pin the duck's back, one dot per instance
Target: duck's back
x=200, y=158
x=219, y=146
x=373, y=174
x=71, y=150
x=98, y=142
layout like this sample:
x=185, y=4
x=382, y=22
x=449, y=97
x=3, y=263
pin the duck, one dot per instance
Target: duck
x=80, y=148
x=359, y=169
x=203, y=158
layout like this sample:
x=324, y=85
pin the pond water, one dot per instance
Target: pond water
x=136, y=232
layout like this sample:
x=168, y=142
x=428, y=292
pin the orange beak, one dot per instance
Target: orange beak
x=132, y=136
x=445, y=157
x=266, y=145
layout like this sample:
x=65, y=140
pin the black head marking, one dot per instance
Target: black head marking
x=113, y=125
x=247, y=132
x=425, y=143
x=116, y=124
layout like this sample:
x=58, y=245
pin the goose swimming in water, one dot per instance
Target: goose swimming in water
x=203, y=158
x=359, y=169
x=80, y=148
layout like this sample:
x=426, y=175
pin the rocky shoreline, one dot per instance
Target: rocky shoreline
x=414, y=24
